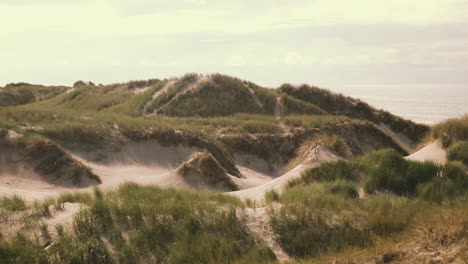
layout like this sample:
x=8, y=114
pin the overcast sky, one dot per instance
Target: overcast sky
x=321, y=42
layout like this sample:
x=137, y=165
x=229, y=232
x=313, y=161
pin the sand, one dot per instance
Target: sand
x=151, y=163
x=432, y=152
x=407, y=144
x=316, y=155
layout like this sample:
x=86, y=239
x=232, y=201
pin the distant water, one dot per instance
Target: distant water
x=426, y=104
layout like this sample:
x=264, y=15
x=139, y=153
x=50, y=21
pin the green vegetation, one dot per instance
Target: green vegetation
x=326, y=218
x=14, y=203
x=136, y=224
x=321, y=216
x=206, y=169
x=220, y=96
x=458, y=152
x=291, y=105
x=24, y=93
x=387, y=170
x=338, y=104
x=171, y=91
x=136, y=105
x=314, y=121
x=52, y=163
x=344, y=189
x=452, y=130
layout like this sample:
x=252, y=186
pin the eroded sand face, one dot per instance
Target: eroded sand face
x=149, y=163
x=432, y=152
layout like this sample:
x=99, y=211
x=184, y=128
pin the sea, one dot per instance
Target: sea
x=427, y=104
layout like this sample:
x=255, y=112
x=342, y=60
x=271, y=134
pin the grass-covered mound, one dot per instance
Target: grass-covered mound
x=387, y=170
x=337, y=104
x=136, y=224
x=451, y=130
x=45, y=159
x=458, y=152
x=219, y=96
x=25, y=93
x=316, y=224
x=214, y=106
x=291, y=105
x=321, y=214
x=203, y=169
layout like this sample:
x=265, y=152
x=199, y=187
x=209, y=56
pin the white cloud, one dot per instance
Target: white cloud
x=293, y=58
x=236, y=61
x=209, y=35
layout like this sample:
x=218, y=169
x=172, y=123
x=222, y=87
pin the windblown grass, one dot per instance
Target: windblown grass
x=387, y=170
x=314, y=121
x=338, y=104
x=291, y=105
x=458, y=152
x=326, y=218
x=24, y=93
x=136, y=224
x=451, y=130
x=220, y=96
x=14, y=203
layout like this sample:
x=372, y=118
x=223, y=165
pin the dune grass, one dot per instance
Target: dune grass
x=451, y=130
x=135, y=106
x=387, y=170
x=327, y=218
x=314, y=121
x=458, y=152
x=171, y=91
x=291, y=105
x=220, y=96
x=144, y=224
x=13, y=203
x=24, y=93
x=338, y=104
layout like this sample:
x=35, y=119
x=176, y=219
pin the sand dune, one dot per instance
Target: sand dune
x=150, y=163
x=316, y=155
x=432, y=152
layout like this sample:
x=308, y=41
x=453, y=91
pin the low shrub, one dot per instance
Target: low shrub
x=451, y=130
x=458, y=152
x=331, y=171
x=388, y=170
x=344, y=189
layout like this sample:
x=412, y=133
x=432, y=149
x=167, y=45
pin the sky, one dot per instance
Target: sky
x=270, y=42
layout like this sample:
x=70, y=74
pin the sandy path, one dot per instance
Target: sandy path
x=277, y=113
x=432, y=152
x=29, y=189
x=257, y=222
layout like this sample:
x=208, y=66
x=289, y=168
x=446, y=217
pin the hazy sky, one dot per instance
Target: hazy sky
x=322, y=42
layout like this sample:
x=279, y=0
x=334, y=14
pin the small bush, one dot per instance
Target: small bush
x=79, y=83
x=331, y=171
x=452, y=130
x=344, y=189
x=458, y=152
x=388, y=170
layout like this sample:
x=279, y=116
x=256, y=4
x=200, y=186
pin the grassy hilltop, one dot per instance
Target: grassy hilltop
x=367, y=204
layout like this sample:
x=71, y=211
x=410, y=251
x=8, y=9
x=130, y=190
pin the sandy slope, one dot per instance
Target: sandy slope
x=407, y=144
x=316, y=156
x=432, y=152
